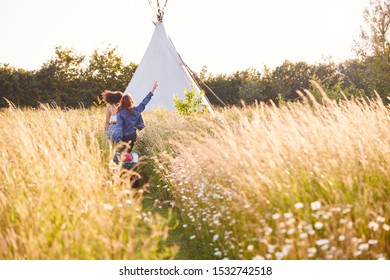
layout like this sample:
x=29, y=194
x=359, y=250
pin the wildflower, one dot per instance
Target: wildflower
x=276, y=216
x=192, y=237
x=290, y=221
x=290, y=231
x=357, y=253
x=128, y=201
x=250, y=248
x=316, y=205
x=303, y=235
x=372, y=241
x=298, y=205
x=363, y=247
x=288, y=215
x=386, y=227
x=268, y=230
x=325, y=247
x=126, y=191
x=346, y=210
x=312, y=250
x=218, y=254
x=108, y=207
x=321, y=242
x=341, y=238
x=372, y=225
x=258, y=257
x=279, y=255
x=326, y=216
x=380, y=219
x=215, y=237
x=380, y=257
x=318, y=225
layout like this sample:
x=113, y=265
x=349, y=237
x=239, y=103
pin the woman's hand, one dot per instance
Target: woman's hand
x=155, y=85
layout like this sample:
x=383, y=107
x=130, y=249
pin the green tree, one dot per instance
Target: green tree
x=373, y=47
x=108, y=69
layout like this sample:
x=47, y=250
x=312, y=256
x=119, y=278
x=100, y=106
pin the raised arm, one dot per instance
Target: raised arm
x=146, y=100
x=155, y=85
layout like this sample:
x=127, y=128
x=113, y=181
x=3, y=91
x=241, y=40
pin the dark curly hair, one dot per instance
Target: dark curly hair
x=112, y=97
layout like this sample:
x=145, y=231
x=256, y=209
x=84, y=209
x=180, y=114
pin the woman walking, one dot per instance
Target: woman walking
x=129, y=117
x=112, y=98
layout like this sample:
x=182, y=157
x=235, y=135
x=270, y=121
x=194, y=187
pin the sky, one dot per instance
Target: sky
x=224, y=35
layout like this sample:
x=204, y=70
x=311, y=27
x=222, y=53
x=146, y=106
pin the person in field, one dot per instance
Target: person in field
x=129, y=118
x=111, y=98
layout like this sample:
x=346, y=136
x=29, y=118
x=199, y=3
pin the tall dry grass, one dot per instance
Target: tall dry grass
x=301, y=181
x=58, y=197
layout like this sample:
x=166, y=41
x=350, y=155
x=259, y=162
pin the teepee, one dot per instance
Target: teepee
x=161, y=62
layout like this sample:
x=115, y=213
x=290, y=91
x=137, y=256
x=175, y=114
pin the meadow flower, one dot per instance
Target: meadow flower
x=386, y=227
x=372, y=241
x=303, y=235
x=258, y=257
x=215, y=237
x=298, y=205
x=341, y=238
x=288, y=215
x=276, y=216
x=318, y=225
x=316, y=205
x=321, y=242
x=372, y=225
x=290, y=231
x=363, y=247
x=380, y=219
x=346, y=210
x=108, y=207
x=279, y=255
x=192, y=237
x=311, y=250
x=250, y=248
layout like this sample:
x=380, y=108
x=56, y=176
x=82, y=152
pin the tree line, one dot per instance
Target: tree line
x=70, y=80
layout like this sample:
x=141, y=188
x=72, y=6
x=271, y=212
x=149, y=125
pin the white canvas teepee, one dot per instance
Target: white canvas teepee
x=161, y=62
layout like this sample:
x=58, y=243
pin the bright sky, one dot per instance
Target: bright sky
x=224, y=35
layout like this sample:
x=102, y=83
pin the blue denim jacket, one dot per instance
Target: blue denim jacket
x=126, y=124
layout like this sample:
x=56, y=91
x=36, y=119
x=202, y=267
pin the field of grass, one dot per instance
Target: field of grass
x=299, y=181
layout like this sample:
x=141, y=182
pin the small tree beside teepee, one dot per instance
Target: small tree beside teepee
x=192, y=104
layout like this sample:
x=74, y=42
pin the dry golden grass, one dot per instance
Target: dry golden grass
x=302, y=181
x=58, y=197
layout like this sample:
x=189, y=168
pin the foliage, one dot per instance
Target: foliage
x=192, y=103
x=66, y=79
x=373, y=48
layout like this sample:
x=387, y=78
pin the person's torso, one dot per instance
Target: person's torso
x=129, y=121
